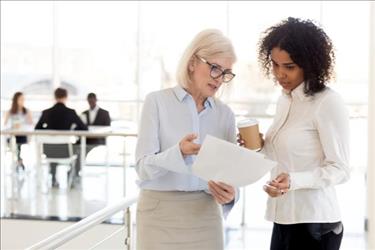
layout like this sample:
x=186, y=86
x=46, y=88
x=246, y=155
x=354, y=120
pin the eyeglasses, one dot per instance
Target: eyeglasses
x=217, y=72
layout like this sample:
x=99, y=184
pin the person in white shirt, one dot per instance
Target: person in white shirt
x=94, y=116
x=309, y=138
x=18, y=116
x=176, y=209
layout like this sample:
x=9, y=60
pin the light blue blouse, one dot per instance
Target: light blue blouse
x=168, y=115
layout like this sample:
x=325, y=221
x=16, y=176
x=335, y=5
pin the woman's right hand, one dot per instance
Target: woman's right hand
x=17, y=126
x=261, y=139
x=240, y=141
x=187, y=146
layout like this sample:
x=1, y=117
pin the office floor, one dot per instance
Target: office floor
x=102, y=186
x=96, y=193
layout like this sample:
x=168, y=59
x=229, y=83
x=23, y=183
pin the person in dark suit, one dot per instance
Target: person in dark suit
x=95, y=116
x=61, y=117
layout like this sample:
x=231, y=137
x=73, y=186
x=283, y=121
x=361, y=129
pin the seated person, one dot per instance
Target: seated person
x=18, y=116
x=95, y=116
x=61, y=117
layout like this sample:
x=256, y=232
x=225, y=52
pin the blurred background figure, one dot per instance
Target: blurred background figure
x=95, y=116
x=18, y=116
x=61, y=117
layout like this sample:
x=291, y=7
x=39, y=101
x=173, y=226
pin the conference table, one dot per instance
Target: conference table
x=94, y=131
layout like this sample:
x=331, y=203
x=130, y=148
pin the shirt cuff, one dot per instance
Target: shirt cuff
x=171, y=160
x=300, y=180
x=228, y=207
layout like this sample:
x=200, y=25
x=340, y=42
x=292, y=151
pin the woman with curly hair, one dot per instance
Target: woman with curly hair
x=309, y=138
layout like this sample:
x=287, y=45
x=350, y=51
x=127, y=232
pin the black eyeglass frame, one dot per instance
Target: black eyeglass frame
x=217, y=67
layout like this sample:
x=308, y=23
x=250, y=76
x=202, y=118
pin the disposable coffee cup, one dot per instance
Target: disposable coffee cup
x=249, y=131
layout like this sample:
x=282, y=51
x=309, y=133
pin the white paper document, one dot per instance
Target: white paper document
x=219, y=160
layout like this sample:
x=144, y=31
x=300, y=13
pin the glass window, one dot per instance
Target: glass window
x=162, y=44
x=26, y=48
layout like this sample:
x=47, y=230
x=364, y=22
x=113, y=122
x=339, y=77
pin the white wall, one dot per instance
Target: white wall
x=371, y=136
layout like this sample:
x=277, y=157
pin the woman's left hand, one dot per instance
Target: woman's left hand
x=278, y=186
x=223, y=193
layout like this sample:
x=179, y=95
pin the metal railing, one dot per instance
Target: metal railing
x=29, y=131
x=62, y=237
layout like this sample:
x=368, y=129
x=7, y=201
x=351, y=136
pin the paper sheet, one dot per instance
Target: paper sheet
x=219, y=160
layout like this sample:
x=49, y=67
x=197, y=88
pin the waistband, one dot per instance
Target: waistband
x=174, y=195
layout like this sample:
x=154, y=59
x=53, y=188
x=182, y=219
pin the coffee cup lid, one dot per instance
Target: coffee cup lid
x=247, y=122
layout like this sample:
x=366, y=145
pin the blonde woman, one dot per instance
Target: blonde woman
x=177, y=210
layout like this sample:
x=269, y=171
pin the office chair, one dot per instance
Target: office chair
x=59, y=149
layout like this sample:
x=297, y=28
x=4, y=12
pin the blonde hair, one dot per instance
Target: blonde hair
x=207, y=44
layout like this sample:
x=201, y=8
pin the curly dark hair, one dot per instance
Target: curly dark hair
x=307, y=45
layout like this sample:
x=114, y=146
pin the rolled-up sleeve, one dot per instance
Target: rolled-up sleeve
x=332, y=122
x=151, y=163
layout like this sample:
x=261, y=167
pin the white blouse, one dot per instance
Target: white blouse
x=309, y=139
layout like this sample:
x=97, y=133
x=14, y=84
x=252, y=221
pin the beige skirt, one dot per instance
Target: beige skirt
x=178, y=221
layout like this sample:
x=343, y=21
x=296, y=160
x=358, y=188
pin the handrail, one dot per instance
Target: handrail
x=94, y=131
x=107, y=238
x=86, y=133
x=68, y=233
